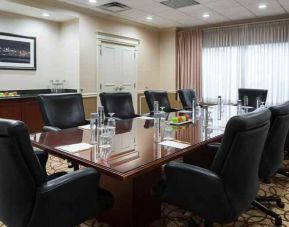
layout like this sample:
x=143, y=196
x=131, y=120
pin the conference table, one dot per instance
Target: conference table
x=136, y=162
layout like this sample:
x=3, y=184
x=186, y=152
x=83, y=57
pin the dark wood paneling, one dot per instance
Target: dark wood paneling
x=31, y=115
x=10, y=110
x=26, y=110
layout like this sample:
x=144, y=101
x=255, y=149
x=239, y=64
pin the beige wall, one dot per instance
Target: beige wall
x=168, y=59
x=69, y=44
x=148, y=64
x=156, y=64
x=47, y=34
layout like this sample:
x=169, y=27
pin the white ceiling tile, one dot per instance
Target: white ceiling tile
x=164, y=16
x=237, y=13
x=197, y=11
x=285, y=4
x=273, y=7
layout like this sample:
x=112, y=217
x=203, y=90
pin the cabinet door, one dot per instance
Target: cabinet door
x=31, y=115
x=10, y=110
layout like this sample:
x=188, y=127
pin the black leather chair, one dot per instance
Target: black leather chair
x=61, y=111
x=222, y=193
x=161, y=97
x=29, y=198
x=119, y=103
x=252, y=95
x=186, y=97
x=273, y=153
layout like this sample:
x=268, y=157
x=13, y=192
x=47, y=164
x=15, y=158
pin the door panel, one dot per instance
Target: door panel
x=118, y=69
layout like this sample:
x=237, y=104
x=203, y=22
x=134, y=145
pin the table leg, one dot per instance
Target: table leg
x=134, y=205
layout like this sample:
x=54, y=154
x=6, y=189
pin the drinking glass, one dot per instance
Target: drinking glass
x=162, y=113
x=168, y=132
x=262, y=105
x=105, y=143
x=239, y=106
x=258, y=102
x=111, y=123
x=210, y=118
x=246, y=100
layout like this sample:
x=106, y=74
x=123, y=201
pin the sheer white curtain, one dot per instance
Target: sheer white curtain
x=251, y=56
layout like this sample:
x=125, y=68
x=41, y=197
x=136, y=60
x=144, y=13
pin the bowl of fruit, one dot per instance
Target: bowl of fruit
x=8, y=94
x=180, y=120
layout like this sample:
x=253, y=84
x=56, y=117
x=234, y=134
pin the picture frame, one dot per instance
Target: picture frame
x=17, y=52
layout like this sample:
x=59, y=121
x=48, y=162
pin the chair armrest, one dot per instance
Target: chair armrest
x=50, y=129
x=213, y=148
x=71, y=199
x=71, y=180
x=193, y=187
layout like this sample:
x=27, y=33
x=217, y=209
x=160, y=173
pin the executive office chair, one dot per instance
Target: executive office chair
x=222, y=193
x=273, y=153
x=252, y=95
x=186, y=97
x=161, y=97
x=119, y=103
x=61, y=111
x=29, y=198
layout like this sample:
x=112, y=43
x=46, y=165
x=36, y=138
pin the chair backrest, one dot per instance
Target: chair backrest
x=187, y=96
x=62, y=110
x=252, y=95
x=20, y=174
x=161, y=97
x=238, y=159
x=273, y=154
x=119, y=103
x=286, y=146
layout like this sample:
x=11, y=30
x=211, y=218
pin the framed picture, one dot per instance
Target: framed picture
x=17, y=52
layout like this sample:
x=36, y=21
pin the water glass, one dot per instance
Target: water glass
x=258, y=102
x=246, y=100
x=111, y=123
x=239, y=106
x=105, y=143
x=169, y=132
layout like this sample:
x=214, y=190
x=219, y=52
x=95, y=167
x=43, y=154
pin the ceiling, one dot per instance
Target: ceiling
x=11, y=7
x=163, y=16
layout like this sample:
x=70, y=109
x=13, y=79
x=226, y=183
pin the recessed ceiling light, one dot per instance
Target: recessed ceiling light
x=149, y=18
x=206, y=15
x=93, y=1
x=45, y=14
x=262, y=6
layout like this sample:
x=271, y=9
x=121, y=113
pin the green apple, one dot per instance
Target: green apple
x=174, y=119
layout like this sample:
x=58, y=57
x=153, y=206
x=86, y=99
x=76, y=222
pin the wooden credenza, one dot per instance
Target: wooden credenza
x=23, y=109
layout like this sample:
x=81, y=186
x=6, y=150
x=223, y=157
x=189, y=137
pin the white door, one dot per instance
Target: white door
x=117, y=69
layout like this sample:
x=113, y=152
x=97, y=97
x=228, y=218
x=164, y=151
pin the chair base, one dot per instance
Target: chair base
x=277, y=217
x=284, y=171
x=275, y=199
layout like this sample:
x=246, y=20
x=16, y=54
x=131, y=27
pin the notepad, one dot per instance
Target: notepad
x=72, y=148
x=174, y=144
x=145, y=118
x=84, y=127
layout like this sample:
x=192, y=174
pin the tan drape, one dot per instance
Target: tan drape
x=189, y=60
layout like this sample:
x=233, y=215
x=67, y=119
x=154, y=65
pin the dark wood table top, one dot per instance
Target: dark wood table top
x=135, y=151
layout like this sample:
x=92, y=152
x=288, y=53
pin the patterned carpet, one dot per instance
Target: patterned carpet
x=175, y=217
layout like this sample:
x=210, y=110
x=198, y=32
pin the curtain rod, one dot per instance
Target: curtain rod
x=248, y=23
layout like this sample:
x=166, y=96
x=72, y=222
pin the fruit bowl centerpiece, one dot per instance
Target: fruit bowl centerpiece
x=8, y=94
x=180, y=120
